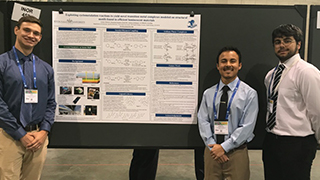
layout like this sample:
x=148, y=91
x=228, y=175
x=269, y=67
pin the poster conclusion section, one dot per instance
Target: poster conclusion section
x=126, y=67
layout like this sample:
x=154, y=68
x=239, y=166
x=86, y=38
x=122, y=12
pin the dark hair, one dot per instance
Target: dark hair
x=30, y=19
x=229, y=48
x=287, y=30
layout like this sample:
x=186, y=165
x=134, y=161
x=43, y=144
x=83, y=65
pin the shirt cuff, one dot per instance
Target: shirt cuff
x=45, y=126
x=210, y=141
x=227, y=145
x=18, y=134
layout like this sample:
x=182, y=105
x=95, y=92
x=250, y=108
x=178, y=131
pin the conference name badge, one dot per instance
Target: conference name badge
x=30, y=96
x=221, y=127
x=270, y=105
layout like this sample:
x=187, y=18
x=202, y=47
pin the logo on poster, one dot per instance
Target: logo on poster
x=192, y=24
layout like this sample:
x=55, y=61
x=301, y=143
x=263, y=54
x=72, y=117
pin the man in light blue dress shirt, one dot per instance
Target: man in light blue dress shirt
x=229, y=158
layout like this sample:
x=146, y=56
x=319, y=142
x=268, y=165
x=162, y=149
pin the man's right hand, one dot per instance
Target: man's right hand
x=26, y=140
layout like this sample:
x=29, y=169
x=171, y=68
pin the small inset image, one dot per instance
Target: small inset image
x=76, y=100
x=65, y=90
x=69, y=110
x=79, y=90
x=89, y=77
x=93, y=93
x=90, y=110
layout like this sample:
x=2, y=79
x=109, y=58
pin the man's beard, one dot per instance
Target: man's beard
x=288, y=56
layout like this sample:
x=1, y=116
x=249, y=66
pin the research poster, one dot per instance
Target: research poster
x=126, y=67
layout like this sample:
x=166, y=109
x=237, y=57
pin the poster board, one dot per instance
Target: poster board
x=314, y=35
x=247, y=27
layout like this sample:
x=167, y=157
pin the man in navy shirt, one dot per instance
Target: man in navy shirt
x=27, y=105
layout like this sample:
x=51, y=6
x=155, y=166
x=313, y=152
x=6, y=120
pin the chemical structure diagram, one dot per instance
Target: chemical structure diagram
x=167, y=57
x=125, y=46
x=126, y=62
x=167, y=46
x=189, y=54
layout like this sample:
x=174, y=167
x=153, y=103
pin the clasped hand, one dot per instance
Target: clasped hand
x=34, y=140
x=217, y=153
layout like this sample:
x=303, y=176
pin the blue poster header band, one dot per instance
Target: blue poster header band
x=174, y=83
x=76, y=61
x=127, y=30
x=174, y=115
x=175, y=65
x=176, y=31
x=76, y=29
x=125, y=93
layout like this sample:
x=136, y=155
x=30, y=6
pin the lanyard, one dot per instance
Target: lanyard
x=21, y=72
x=231, y=99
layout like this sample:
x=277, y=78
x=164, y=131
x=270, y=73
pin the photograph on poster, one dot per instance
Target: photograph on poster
x=90, y=110
x=65, y=90
x=69, y=109
x=79, y=90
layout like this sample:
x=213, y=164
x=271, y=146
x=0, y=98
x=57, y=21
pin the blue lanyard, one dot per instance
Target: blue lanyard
x=231, y=99
x=269, y=93
x=21, y=72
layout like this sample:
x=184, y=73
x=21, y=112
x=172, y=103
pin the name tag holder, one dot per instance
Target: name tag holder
x=270, y=105
x=30, y=96
x=221, y=127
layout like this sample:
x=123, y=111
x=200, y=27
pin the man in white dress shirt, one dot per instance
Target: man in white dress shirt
x=293, y=115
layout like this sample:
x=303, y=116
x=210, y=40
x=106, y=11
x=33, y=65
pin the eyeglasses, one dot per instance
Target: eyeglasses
x=286, y=42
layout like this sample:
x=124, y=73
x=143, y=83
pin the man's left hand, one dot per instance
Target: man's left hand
x=223, y=159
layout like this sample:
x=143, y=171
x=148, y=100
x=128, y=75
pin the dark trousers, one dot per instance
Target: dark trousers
x=199, y=163
x=288, y=157
x=144, y=164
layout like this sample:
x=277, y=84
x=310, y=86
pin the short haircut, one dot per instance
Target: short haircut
x=30, y=19
x=287, y=30
x=229, y=48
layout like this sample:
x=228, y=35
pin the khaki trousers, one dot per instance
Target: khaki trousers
x=17, y=163
x=237, y=168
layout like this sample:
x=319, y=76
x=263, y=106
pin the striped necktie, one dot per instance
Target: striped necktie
x=274, y=96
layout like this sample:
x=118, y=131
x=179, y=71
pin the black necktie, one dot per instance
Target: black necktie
x=223, y=110
x=26, y=108
x=274, y=96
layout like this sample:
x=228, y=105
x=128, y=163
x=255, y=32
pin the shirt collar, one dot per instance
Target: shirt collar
x=21, y=55
x=288, y=63
x=231, y=85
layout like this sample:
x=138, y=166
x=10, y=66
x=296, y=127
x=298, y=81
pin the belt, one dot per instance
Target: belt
x=32, y=127
x=240, y=147
x=275, y=136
